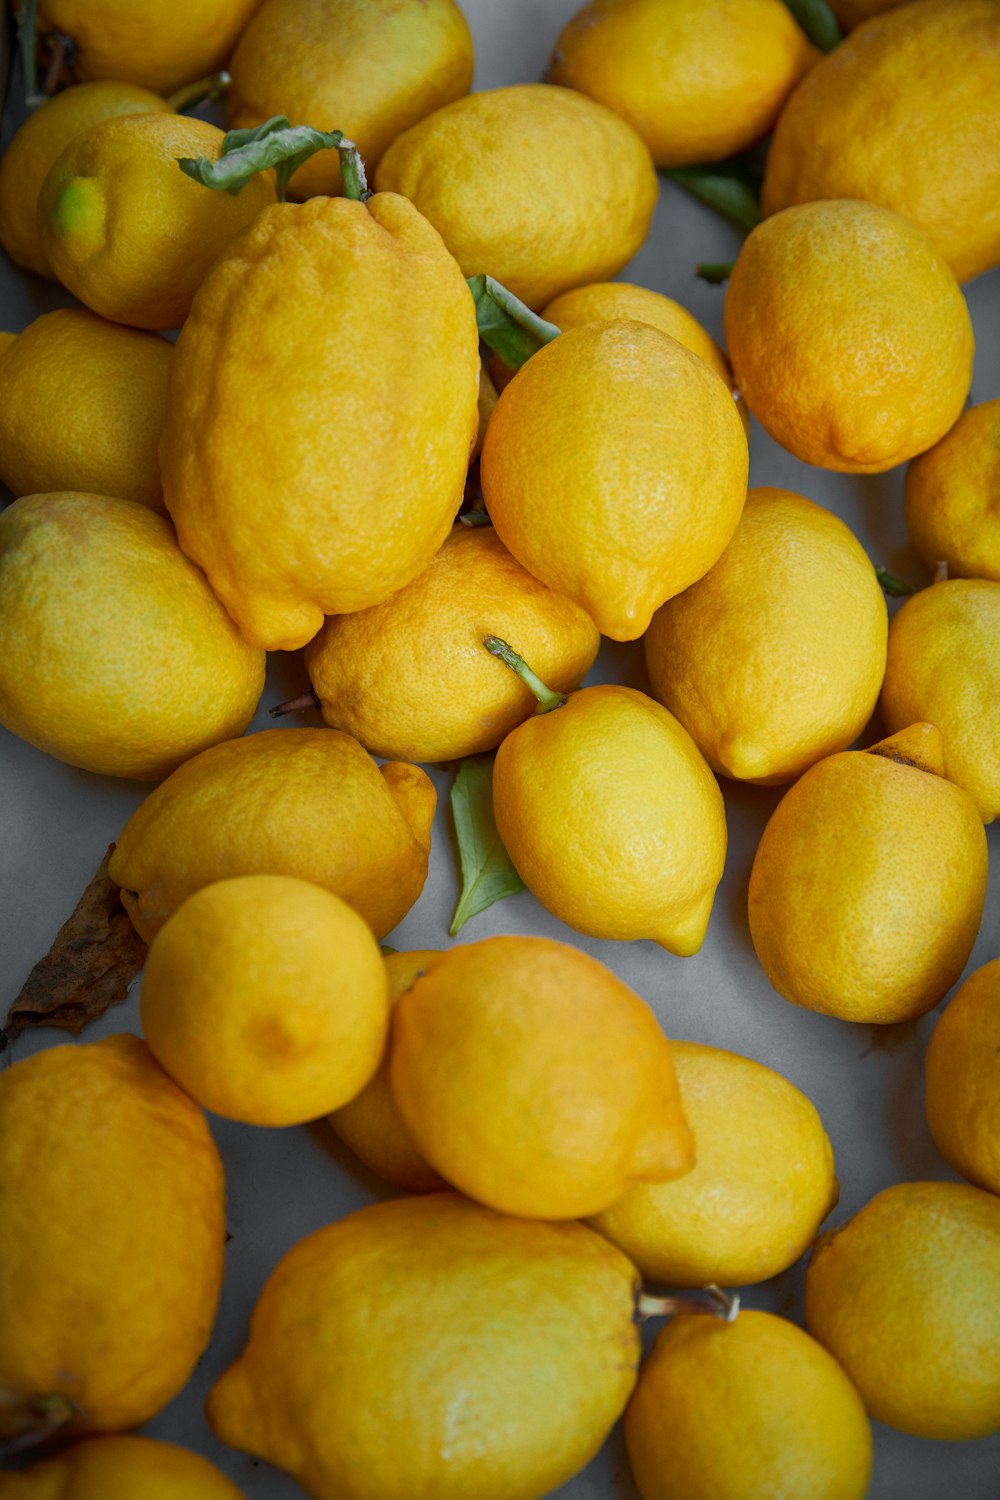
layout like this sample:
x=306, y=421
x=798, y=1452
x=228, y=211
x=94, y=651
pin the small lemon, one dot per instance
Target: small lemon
x=410, y=679
x=906, y=1296
x=614, y=469
x=963, y=1079
x=126, y=231
x=747, y=1410
x=952, y=496
x=538, y=186
x=121, y=1468
x=868, y=884
x=534, y=1080
x=265, y=997
x=370, y=1123
x=303, y=802
x=612, y=818
x=848, y=334
x=762, y=1183
x=775, y=658
x=697, y=80
x=36, y=145
x=428, y=1346
x=371, y=68
x=112, y=1219
x=81, y=406
x=944, y=665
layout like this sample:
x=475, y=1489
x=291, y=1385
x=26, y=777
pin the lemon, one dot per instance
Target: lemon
x=429, y=1346
x=614, y=469
x=120, y=1468
x=762, y=1183
x=613, y=819
x=746, y=1410
x=953, y=496
x=904, y=113
x=126, y=231
x=868, y=884
x=161, y=44
x=697, y=80
x=112, y=1255
x=906, y=1296
x=410, y=679
x=962, y=1076
x=370, y=1123
x=81, y=405
x=848, y=334
x=944, y=665
x=117, y=655
x=775, y=658
x=538, y=186
x=337, y=339
x=265, y=997
x=371, y=68
x=302, y=802
x=534, y=1080
x=37, y=144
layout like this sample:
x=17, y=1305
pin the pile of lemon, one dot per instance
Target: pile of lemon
x=415, y=432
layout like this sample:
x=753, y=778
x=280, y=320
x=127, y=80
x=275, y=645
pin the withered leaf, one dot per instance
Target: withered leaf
x=95, y=957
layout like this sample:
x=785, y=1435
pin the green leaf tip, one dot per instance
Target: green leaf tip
x=714, y=272
x=891, y=585
x=282, y=146
x=732, y=188
x=506, y=325
x=487, y=873
x=818, y=22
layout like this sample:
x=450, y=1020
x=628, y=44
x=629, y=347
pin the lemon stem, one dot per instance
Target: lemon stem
x=293, y=705
x=352, y=172
x=713, y=1301
x=212, y=87
x=51, y=1414
x=547, y=698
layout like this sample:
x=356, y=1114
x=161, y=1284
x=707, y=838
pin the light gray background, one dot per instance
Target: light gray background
x=866, y=1082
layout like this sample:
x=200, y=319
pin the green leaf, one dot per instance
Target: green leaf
x=730, y=187
x=891, y=585
x=274, y=144
x=506, y=325
x=715, y=272
x=817, y=21
x=487, y=873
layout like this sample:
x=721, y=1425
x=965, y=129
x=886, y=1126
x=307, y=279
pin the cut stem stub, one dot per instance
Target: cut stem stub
x=712, y=1300
x=547, y=697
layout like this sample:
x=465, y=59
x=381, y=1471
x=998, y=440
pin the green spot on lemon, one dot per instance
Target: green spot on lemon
x=78, y=216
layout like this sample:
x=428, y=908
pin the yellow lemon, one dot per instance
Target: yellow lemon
x=775, y=658
x=126, y=231
x=81, y=406
x=762, y=1183
x=868, y=884
x=952, y=496
x=613, y=819
x=944, y=665
x=162, y=43
x=121, y=1468
x=963, y=1079
x=303, y=802
x=37, y=144
x=112, y=1206
x=614, y=469
x=848, y=335
x=904, y=113
x=371, y=68
x=117, y=655
x=906, y=1296
x=699, y=81
x=534, y=1080
x=537, y=186
x=428, y=1346
x=265, y=997
x=370, y=1123
x=745, y=1411
x=336, y=339
x=410, y=679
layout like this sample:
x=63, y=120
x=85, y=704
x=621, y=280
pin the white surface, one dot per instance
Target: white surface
x=866, y=1083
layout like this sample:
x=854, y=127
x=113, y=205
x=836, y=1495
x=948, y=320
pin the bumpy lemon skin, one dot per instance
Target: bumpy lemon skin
x=113, y=1258
x=962, y=1079
x=121, y=1467
x=340, y=472
x=952, y=497
x=428, y=1346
